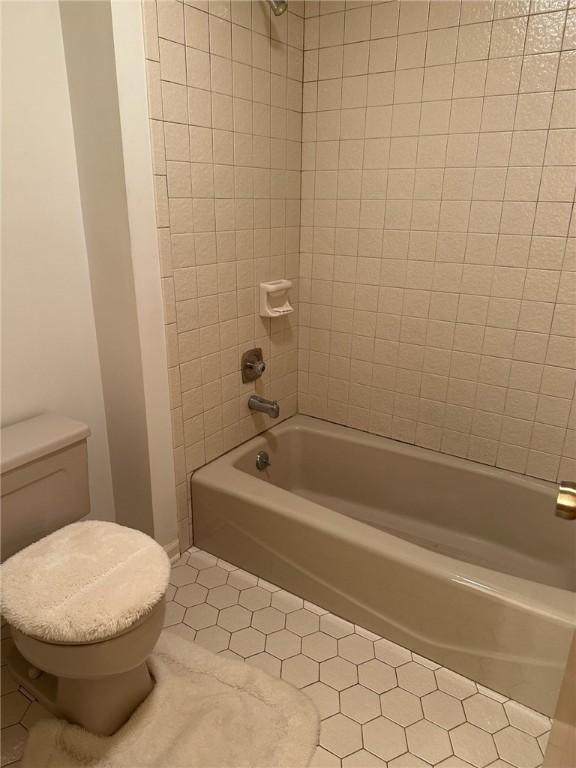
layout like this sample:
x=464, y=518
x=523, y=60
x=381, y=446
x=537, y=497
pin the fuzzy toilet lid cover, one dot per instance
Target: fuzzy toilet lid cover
x=86, y=582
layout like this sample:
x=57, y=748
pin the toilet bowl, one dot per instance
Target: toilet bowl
x=84, y=601
x=95, y=685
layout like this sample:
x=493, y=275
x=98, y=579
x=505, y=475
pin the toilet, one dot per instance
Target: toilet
x=84, y=600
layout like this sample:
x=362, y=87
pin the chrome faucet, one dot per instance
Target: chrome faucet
x=252, y=365
x=566, y=500
x=269, y=407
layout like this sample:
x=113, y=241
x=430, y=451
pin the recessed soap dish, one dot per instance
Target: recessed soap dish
x=274, y=300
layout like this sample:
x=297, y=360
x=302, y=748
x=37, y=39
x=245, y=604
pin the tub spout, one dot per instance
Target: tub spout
x=269, y=407
x=566, y=500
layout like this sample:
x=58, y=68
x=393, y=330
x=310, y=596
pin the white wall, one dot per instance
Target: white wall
x=137, y=160
x=116, y=190
x=49, y=353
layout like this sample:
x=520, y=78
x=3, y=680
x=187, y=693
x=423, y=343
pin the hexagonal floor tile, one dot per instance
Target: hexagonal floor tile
x=192, y=594
x=416, y=678
x=424, y=661
x=212, y=577
x=491, y=694
x=324, y=759
x=335, y=626
x=283, y=644
x=268, y=585
x=372, y=636
x=384, y=738
x=391, y=654
x=319, y=646
x=9, y=684
x=242, y=580
x=254, y=598
x=201, y=616
x=318, y=610
x=184, y=631
x=174, y=614
x=264, y=661
x=13, y=741
x=170, y=592
x=201, y=560
x=543, y=741
x=401, y=706
x=408, y=760
x=215, y=639
x=485, y=713
x=325, y=698
x=525, y=719
x=355, y=649
x=268, y=620
x=454, y=684
x=442, y=709
x=34, y=714
x=428, y=741
x=377, y=676
x=361, y=683
x=341, y=735
x=338, y=673
x=300, y=670
x=234, y=618
x=223, y=597
x=518, y=748
x=302, y=622
x=182, y=575
x=359, y=704
x=362, y=759
x=286, y=602
x=13, y=707
x=473, y=745
x=182, y=560
x=247, y=642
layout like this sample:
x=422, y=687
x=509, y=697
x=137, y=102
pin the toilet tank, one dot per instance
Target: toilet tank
x=44, y=467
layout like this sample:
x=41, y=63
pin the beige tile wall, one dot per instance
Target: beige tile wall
x=438, y=289
x=225, y=103
x=434, y=168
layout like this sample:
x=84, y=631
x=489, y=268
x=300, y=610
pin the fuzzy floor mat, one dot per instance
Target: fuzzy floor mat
x=205, y=711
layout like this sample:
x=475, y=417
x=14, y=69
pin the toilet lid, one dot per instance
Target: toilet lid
x=85, y=582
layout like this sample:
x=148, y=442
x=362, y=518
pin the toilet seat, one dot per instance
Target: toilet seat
x=87, y=582
x=112, y=656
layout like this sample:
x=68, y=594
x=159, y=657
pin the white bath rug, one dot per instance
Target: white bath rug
x=205, y=711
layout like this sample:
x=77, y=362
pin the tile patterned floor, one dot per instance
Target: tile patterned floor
x=382, y=706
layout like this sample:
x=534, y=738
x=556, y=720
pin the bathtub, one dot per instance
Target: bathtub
x=464, y=564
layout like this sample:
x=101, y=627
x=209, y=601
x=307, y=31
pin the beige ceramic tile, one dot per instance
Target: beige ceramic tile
x=442, y=709
x=384, y=738
x=488, y=78
x=473, y=745
x=341, y=736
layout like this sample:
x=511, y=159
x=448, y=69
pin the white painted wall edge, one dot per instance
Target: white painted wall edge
x=133, y=105
x=49, y=345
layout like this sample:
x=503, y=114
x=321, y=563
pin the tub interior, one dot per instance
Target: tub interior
x=478, y=515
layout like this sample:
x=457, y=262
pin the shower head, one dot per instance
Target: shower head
x=279, y=6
